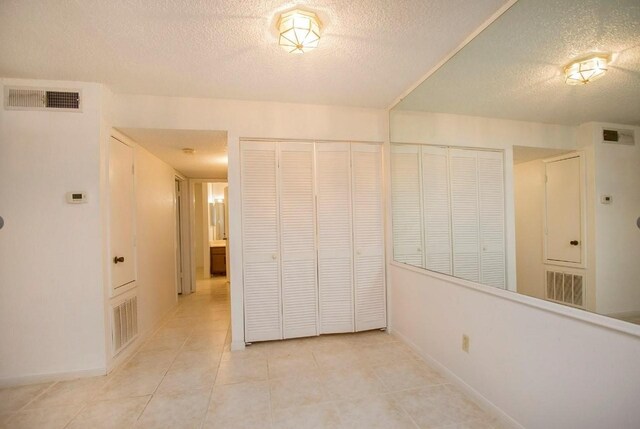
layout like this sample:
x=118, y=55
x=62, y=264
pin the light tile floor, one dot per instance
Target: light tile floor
x=185, y=376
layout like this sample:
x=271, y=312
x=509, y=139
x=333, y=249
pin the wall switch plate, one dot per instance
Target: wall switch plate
x=606, y=199
x=465, y=343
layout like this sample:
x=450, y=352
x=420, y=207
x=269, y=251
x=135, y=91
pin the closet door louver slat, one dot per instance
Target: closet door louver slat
x=406, y=204
x=260, y=238
x=370, y=305
x=491, y=198
x=463, y=173
x=298, y=240
x=437, y=212
x=335, y=250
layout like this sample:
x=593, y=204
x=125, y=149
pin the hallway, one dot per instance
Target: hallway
x=185, y=376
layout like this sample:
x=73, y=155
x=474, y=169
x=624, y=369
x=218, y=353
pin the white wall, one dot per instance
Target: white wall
x=528, y=179
x=543, y=369
x=527, y=357
x=617, y=170
x=155, y=225
x=216, y=191
x=247, y=119
x=51, y=294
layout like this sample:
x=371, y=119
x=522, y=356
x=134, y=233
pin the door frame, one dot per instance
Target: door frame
x=114, y=292
x=583, y=212
x=192, y=228
x=182, y=241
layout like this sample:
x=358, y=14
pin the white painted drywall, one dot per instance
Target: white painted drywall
x=248, y=119
x=543, y=369
x=155, y=225
x=617, y=173
x=216, y=191
x=528, y=179
x=51, y=286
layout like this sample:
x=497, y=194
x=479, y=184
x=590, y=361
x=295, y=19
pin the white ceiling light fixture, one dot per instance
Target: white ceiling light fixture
x=299, y=31
x=586, y=70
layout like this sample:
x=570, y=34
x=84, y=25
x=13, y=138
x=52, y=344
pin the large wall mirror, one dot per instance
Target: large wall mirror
x=516, y=164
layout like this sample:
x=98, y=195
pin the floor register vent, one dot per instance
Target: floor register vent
x=17, y=98
x=124, y=323
x=565, y=288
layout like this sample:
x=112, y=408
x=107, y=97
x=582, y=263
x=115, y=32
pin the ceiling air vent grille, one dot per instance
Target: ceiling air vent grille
x=41, y=99
x=63, y=100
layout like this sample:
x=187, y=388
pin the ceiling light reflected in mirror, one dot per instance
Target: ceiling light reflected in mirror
x=586, y=70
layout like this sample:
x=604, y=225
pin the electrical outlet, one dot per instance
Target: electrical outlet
x=465, y=343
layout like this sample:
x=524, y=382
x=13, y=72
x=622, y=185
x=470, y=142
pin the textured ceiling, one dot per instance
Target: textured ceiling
x=370, y=51
x=209, y=160
x=514, y=68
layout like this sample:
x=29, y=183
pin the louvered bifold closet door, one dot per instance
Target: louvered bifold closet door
x=491, y=200
x=437, y=209
x=463, y=173
x=260, y=241
x=298, y=240
x=335, y=250
x=406, y=204
x=368, y=233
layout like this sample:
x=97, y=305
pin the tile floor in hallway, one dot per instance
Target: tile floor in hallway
x=185, y=376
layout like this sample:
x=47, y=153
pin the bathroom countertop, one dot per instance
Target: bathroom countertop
x=217, y=243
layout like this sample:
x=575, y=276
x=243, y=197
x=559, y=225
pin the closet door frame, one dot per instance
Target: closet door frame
x=276, y=144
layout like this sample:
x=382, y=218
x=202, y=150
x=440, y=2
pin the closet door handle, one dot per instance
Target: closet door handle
x=574, y=242
x=118, y=259
x=274, y=256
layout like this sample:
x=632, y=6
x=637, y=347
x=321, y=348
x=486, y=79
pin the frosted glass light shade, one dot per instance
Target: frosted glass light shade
x=299, y=31
x=585, y=71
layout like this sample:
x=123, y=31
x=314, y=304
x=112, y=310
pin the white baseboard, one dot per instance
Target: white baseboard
x=51, y=377
x=112, y=365
x=237, y=346
x=505, y=420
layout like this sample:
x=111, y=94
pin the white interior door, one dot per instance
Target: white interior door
x=335, y=250
x=463, y=173
x=437, y=209
x=260, y=241
x=564, y=210
x=368, y=236
x=121, y=214
x=491, y=202
x=406, y=204
x=298, y=240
